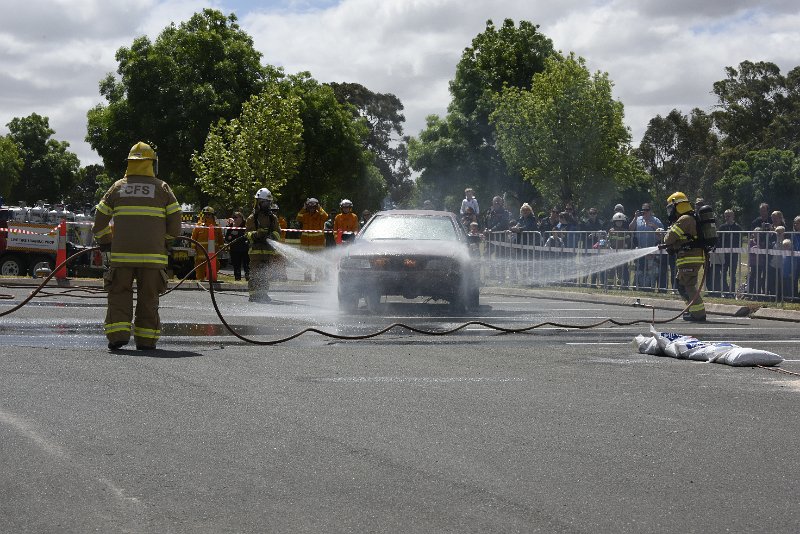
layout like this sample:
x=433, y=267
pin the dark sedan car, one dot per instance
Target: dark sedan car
x=409, y=253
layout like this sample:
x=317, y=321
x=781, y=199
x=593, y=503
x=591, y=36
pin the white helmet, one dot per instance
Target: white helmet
x=264, y=194
x=345, y=202
x=619, y=217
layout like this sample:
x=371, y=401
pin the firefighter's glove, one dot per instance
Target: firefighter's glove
x=104, y=247
x=253, y=237
x=662, y=246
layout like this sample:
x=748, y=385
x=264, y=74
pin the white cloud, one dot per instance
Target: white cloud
x=659, y=55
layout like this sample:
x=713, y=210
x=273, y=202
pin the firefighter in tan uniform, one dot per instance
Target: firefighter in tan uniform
x=681, y=240
x=146, y=220
x=261, y=225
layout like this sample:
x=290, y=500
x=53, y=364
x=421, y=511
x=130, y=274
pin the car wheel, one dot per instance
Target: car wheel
x=12, y=265
x=458, y=303
x=474, y=298
x=348, y=302
x=373, y=299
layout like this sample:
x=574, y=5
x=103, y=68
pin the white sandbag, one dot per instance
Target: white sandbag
x=745, y=357
x=690, y=348
x=647, y=345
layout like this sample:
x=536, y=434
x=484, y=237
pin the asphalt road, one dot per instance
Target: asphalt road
x=555, y=430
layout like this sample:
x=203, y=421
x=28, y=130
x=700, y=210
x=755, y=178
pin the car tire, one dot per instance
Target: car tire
x=348, y=302
x=458, y=302
x=374, y=304
x=474, y=298
x=13, y=265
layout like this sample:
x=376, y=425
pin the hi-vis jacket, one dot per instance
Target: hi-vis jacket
x=263, y=226
x=200, y=234
x=147, y=217
x=312, y=221
x=346, y=222
x=680, y=241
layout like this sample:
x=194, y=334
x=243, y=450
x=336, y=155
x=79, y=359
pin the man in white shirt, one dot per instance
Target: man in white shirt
x=469, y=202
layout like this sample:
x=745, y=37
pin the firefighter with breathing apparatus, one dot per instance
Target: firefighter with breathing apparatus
x=684, y=240
x=147, y=217
x=261, y=226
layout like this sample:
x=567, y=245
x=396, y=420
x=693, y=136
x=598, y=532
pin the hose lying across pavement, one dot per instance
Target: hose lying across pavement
x=500, y=329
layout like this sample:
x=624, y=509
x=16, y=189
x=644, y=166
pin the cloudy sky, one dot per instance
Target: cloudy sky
x=660, y=55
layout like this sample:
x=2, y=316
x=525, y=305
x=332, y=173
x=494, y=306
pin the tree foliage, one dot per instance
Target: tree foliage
x=463, y=150
x=10, y=165
x=90, y=184
x=260, y=148
x=296, y=139
x=169, y=92
x=770, y=175
x=758, y=108
x=49, y=169
x=335, y=163
x=565, y=134
x=681, y=154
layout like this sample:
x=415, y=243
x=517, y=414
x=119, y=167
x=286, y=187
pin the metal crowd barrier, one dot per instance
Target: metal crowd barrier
x=745, y=265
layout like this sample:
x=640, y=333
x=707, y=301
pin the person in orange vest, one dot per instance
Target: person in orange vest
x=312, y=217
x=346, y=222
x=200, y=233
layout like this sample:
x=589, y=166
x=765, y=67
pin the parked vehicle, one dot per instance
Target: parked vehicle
x=410, y=253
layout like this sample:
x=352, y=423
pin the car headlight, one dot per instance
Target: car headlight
x=355, y=263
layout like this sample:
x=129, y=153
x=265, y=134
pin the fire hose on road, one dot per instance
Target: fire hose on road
x=410, y=328
x=211, y=291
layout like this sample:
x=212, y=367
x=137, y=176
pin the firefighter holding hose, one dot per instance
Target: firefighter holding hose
x=261, y=225
x=682, y=240
x=147, y=217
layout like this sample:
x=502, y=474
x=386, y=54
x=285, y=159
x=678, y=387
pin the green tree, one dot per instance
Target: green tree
x=335, y=163
x=10, y=165
x=681, y=154
x=260, y=148
x=169, y=92
x=49, y=169
x=384, y=118
x=464, y=151
x=566, y=134
x=770, y=175
x=90, y=184
x=750, y=101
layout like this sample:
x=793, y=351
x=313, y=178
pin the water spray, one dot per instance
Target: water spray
x=313, y=259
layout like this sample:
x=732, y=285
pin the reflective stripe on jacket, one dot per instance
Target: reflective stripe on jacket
x=146, y=218
x=266, y=227
x=681, y=234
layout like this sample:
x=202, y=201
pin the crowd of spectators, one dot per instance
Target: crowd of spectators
x=772, y=270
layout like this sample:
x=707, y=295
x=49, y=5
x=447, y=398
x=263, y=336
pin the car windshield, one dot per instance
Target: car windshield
x=415, y=227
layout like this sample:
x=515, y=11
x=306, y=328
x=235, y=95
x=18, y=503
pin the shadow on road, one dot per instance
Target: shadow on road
x=157, y=353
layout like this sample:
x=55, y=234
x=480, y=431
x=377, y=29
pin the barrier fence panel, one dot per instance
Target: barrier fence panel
x=745, y=265
x=755, y=265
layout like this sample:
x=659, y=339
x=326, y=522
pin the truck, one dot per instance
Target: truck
x=29, y=239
